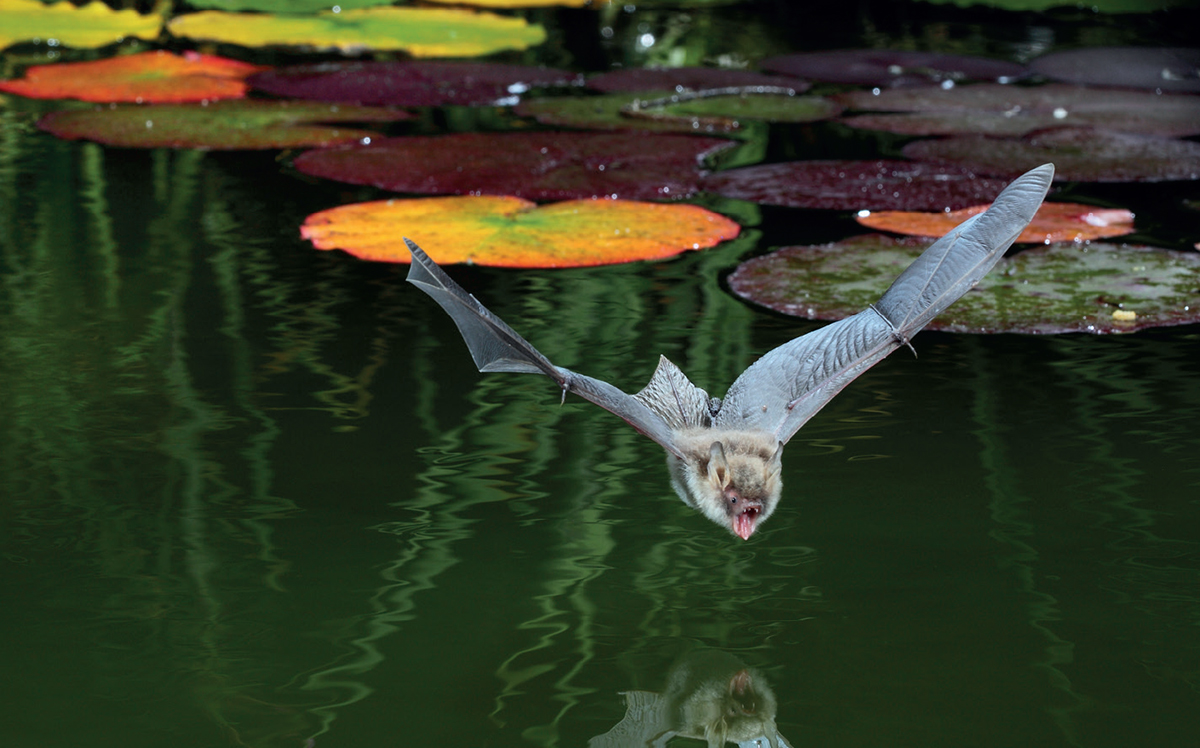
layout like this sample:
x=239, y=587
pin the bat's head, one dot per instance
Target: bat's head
x=731, y=477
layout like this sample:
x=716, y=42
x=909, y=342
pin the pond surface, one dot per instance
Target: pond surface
x=254, y=494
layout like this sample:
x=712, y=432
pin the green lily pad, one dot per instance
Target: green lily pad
x=234, y=124
x=91, y=25
x=1056, y=288
x=285, y=6
x=711, y=112
x=1078, y=154
x=995, y=109
x=422, y=32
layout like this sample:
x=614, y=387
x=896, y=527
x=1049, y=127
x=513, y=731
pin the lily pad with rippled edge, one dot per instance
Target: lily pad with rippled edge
x=234, y=124
x=285, y=6
x=399, y=83
x=1149, y=68
x=146, y=77
x=1054, y=288
x=532, y=165
x=1053, y=222
x=892, y=68
x=91, y=25
x=1078, y=155
x=690, y=78
x=510, y=232
x=856, y=185
x=995, y=109
x=422, y=32
x=665, y=111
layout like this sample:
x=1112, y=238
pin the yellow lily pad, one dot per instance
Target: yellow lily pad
x=422, y=32
x=91, y=25
x=507, y=231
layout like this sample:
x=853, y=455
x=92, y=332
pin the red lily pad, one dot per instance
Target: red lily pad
x=1078, y=154
x=1053, y=222
x=532, y=165
x=892, y=68
x=147, y=77
x=1054, y=288
x=995, y=109
x=398, y=83
x=1150, y=68
x=856, y=185
x=510, y=232
x=690, y=78
x=236, y=124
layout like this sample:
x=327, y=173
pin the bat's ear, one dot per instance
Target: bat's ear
x=777, y=458
x=718, y=466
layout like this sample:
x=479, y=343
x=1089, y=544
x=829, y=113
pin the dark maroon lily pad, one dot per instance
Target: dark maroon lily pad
x=410, y=83
x=231, y=124
x=1078, y=154
x=1055, y=288
x=892, y=68
x=995, y=109
x=856, y=185
x=532, y=165
x=1151, y=68
x=692, y=79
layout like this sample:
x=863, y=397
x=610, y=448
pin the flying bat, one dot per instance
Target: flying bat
x=724, y=454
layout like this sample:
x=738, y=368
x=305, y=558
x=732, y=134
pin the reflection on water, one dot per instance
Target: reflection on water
x=709, y=695
x=251, y=494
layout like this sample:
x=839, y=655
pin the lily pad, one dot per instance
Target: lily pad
x=147, y=77
x=1055, y=288
x=856, y=185
x=532, y=165
x=422, y=32
x=715, y=111
x=285, y=6
x=507, y=231
x=517, y=3
x=1078, y=154
x=1150, y=68
x=91, y=25
x=235, y=124
x=1054, y=222
x=689, y=78
x=995, y=109
x=409, y=83
x=892, y=68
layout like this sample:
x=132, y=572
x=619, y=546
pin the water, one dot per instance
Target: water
x=255, y=494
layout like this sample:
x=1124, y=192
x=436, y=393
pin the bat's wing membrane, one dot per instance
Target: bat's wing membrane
x=787, y=386
x=497, y=347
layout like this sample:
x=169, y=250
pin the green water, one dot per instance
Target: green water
x=254, y=494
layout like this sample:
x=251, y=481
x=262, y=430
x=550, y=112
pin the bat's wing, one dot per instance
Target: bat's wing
x=497, y=347
x=787, y=386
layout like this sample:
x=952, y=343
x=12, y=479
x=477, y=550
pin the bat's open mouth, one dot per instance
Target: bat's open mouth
x=744, y=523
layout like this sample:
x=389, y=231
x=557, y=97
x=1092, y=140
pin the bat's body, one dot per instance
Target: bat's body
x=724, y=455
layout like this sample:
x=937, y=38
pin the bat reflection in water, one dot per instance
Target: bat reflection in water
x=711, y=696
x=724, y=455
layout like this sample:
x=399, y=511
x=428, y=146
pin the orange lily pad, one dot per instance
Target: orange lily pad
x=506, y=231
x=1054, y=222
x=147, y=77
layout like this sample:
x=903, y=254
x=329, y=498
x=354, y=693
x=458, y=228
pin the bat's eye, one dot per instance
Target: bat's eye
x=733, y=499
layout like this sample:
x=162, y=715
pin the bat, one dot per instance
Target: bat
x=724, y=455
x=710, y=695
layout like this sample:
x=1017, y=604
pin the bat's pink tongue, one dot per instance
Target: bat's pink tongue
x=743, y=524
